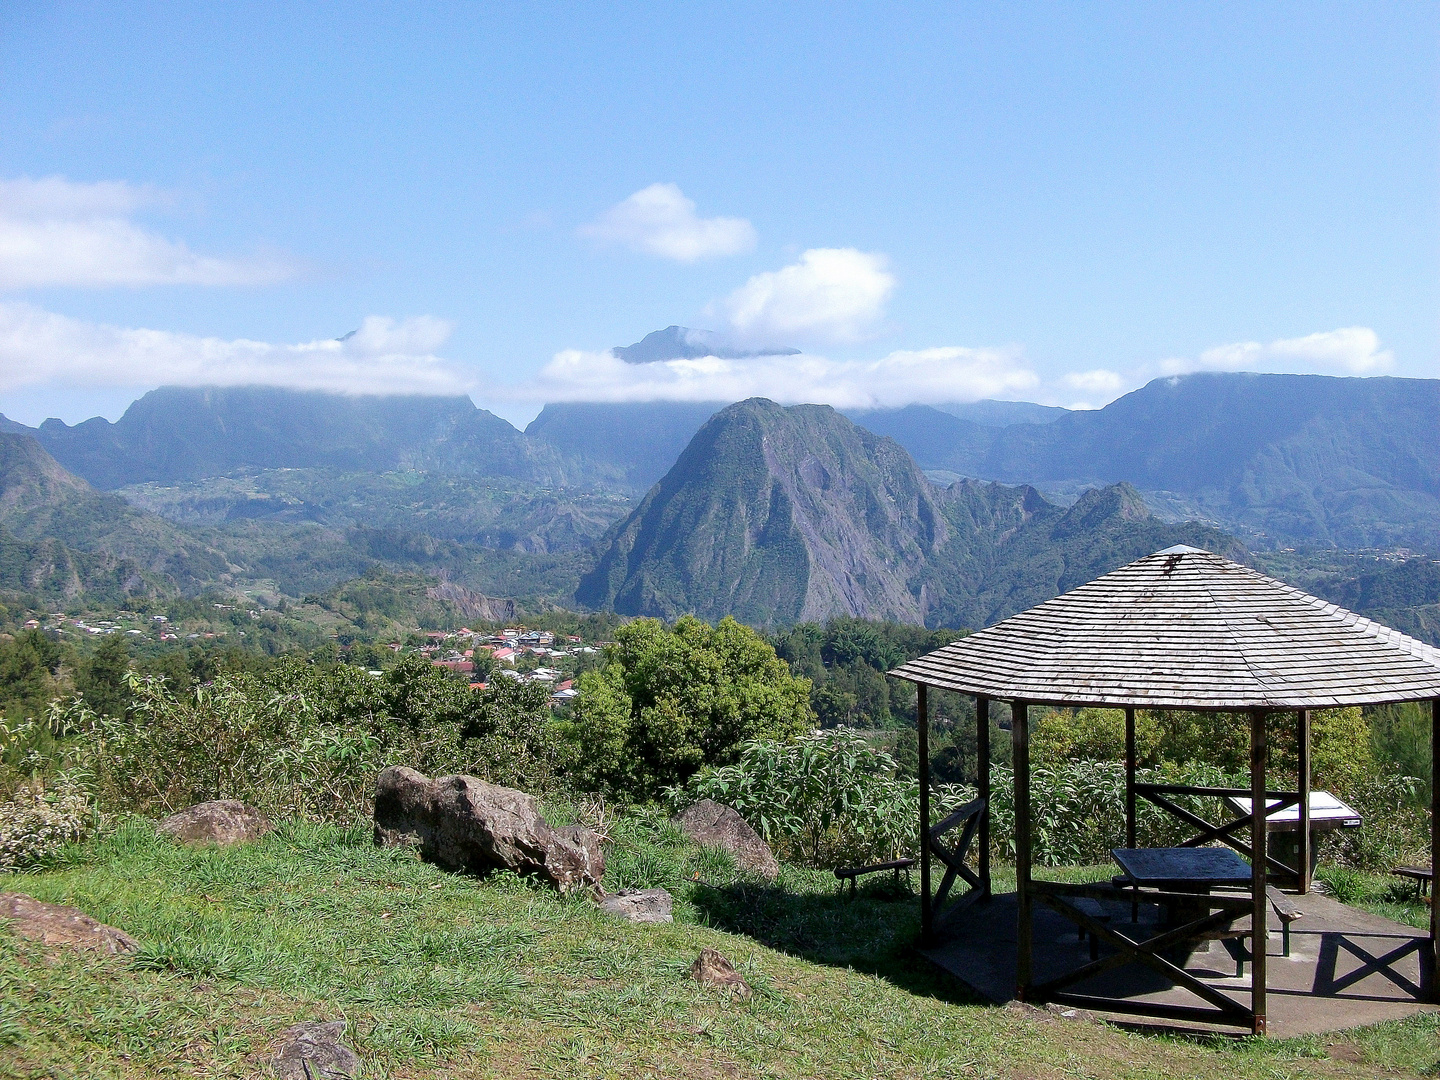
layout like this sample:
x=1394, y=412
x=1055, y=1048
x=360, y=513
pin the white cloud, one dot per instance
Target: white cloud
x=660, y=220
x=830, y=295
x=1352, y=350
x=383, y=357
x=1098, y=381
x=57, y=233
x=900, y=378
x=1098, y=385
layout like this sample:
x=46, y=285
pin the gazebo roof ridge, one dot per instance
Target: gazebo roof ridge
x=1186, y=628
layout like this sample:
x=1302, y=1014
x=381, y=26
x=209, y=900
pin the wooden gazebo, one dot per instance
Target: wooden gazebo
x=1180, y=629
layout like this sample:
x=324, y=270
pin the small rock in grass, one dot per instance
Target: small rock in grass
x=52, y=924
x=712, y=969
x=222, y=822
x=313, y=1051
x=640, y=905
x=713, y=824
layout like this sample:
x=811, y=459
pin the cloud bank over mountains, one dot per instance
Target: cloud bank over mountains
x=898, y=378
x=1353, y=350
x=388, y=356
x=1350, y=350
x=382, y=357
x=54, y=232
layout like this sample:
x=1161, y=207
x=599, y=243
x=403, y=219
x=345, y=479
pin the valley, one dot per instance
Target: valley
x=954, y=515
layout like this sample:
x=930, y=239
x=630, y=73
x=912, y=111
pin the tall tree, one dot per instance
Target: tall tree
x=673, y=700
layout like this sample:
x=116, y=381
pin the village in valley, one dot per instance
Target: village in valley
x=532, y=656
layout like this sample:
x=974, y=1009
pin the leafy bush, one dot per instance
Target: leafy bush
x=826, y=798
x=298, y=739
x=1396, y=829
x=1400, y=742
x=831, y=797
x=1091, y=735
x=35, y=823
x=673, y=700
x=1340, y=741
x=1077, y=809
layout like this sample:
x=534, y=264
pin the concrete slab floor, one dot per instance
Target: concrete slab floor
x=1347, y=968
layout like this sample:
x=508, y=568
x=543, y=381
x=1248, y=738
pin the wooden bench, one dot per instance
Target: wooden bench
x=1420, y=875
x=1283, y=906
x=850, y=873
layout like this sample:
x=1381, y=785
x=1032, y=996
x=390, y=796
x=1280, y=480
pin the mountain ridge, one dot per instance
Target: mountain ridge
x=779, y=515
x=1315, y=459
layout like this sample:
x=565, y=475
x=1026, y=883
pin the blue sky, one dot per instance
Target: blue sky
x=1048, y=202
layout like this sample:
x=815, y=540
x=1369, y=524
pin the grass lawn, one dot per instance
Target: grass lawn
x=443, y=975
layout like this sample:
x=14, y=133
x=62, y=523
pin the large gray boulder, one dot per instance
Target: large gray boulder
x=222, y=822
x=465, y=824
x=712, y=824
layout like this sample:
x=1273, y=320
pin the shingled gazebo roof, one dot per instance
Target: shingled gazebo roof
x=1186, y=629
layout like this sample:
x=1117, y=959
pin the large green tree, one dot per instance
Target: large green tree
x=30, y=665
x=101, y=678
x=672, y=700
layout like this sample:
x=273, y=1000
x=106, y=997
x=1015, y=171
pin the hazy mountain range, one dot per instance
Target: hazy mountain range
x=1278, y=459
x=1283, y=459
x=953, y=514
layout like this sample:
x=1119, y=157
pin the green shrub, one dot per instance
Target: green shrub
x=673, y=700
x=1077, y=809
x=1396, y=829
x=1400, y=742
x=1091, y=735
x=824, y=798
x=299, y=739
x=831, y=797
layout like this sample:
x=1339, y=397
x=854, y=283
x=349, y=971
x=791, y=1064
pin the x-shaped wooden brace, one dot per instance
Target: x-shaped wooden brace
x=1143, y=952
x=967, y=819
x=1224, y=833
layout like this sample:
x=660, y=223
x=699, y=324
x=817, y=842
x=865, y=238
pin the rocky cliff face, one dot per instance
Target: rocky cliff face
x=775, y=514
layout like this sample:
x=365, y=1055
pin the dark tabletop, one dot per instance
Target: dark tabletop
x=1183, y=867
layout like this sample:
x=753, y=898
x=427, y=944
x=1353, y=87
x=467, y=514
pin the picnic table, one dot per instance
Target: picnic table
x=1183, y=870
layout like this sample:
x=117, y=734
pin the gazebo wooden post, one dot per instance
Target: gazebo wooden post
x=922, y=738
x=1130, y=778
x=1302, y=776
x=1433, y=951
x=1020, y=747
x=982, y=784
x=1260, y=909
